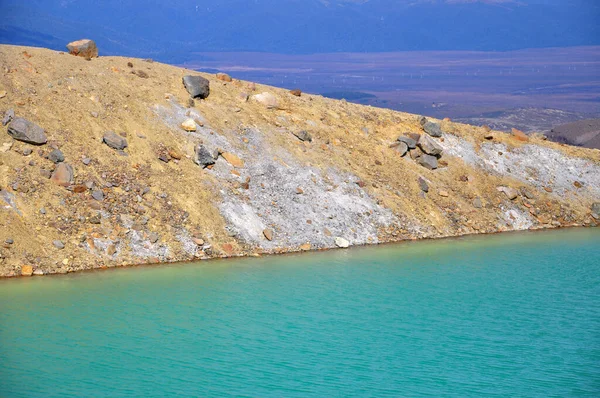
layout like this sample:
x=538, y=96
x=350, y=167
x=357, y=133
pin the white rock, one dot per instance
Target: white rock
x=189, y=125
x=341, y=242
x=267, y=99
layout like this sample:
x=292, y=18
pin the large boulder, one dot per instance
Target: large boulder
x=24, y=130
x=428, y=161
x=401, y=148
x=429, y=146
x=63, y=175
x=203, y=157
x=432, y=128
x=83, y=48
x=197, y=86
x=410, y=143
x=114, y=140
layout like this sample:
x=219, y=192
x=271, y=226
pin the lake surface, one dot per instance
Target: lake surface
x=503, y=315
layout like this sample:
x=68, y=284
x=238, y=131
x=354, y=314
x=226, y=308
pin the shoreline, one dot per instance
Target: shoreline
x=300, y=251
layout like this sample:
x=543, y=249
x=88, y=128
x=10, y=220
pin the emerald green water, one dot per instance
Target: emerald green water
x=504, y=315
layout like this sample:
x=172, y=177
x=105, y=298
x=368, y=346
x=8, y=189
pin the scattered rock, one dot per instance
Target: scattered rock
x=596, y=208
x=114, y=141
x=410, y=143
x=341, y=242
x=305, y=247
x=198, y=241
x=140, y=73
x=189, y=125
x=86, y=161
x=429, y=146
x=56, y=156
x=94, y=114
x=268, y=234
x=422, y=120
x=58, y=244
x=415, y=153
x=98, y=195
x=299, y=191
x=267, y=99
x=519, y=135
x=488, y=136
x=401, y=148
x=303, y=135
x=443, y=194
x=197, y=86
x=153, y=237
x=10, y=241
x=26, y=270
x=477, y=203
x=83, y=48
x=130, y=65
x=63, y=175
x=511, y=193
x=8, y=116
x=80, y=188
x=233, y=159
x=203, y=157
x=428, y=161
x=111, y=249
x=243, y=97
x=24, y=130
x=296, y=92
x=578, y=184
x=3, y=94
x=423, y=184
x=27, y=151
x=432, y=128
x=224, y=77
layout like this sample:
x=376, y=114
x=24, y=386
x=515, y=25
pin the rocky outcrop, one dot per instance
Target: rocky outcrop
x=83, y=48
x=197, y=86
x=24, y=130
x=429, y=146
x=431, y=128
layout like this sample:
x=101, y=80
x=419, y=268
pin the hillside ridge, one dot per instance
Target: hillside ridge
x=135, y=171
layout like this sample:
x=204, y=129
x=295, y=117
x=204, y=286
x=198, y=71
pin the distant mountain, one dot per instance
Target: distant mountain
x=171, y=30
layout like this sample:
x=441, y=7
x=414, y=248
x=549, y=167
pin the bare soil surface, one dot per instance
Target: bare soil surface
x=268, y=191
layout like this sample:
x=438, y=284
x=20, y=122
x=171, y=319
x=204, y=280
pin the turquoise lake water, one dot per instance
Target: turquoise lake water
x=504, y=315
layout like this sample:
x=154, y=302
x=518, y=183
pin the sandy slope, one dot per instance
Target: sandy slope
x=346, y=183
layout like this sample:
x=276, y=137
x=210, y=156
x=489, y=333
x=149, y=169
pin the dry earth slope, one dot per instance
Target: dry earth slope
x=290, y=172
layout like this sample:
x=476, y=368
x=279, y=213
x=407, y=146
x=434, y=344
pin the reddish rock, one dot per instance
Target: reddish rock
x=296, y=92
x=26, y=270
x=233, y=159
x=224, y=77
x=519, y=135
x=63, y=175
x=268, y=234
x=83, y=48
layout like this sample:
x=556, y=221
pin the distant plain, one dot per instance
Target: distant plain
x=529, y=89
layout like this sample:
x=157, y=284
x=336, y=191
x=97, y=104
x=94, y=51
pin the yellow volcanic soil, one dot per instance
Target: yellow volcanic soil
x=59, y=92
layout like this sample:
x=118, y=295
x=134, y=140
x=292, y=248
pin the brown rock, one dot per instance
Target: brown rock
x=268, y=234
x=174, y=154
x=79, y=188
x=224, y=77
x=299, y=191
x=519, y=135
x=305, y=246
x=296, y=92
x=26, y=270
x=578, y=184
x=63, y=175
x=233, y=159
x=443, y=194
x=227, y=248
x=83, y=48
